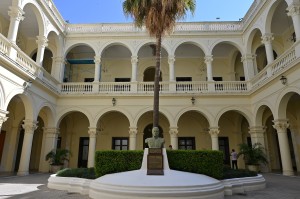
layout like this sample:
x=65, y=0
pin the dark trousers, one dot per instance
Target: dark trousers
x=234, y=164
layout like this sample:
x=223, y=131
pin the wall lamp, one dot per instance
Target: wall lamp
x=193, y=100
x=114, y=101
x=27, y=84
x=283, y=80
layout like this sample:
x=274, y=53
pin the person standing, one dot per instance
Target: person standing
x=234, y=159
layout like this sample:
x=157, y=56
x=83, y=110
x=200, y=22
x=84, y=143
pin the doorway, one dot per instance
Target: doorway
x=83, y=152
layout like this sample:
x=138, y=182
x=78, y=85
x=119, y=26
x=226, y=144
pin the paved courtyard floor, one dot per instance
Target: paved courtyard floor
x=34, y=186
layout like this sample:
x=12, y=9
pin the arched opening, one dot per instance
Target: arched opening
x=149, y=74
x=193, y=131
x=47, y=60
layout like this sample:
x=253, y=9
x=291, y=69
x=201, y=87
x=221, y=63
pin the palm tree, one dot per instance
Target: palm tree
x=159, y=18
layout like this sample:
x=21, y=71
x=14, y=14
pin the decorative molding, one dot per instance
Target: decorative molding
x=16, y=12
x=281, y=125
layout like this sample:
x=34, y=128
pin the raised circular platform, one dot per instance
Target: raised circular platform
x=173, y=184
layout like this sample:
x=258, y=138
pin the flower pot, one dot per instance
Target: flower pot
x=253, y=167
x=56, y=168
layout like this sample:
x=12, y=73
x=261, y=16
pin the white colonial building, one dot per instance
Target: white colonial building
x=88, y=87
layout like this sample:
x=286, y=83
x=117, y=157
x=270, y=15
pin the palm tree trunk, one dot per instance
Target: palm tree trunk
x=156, y=82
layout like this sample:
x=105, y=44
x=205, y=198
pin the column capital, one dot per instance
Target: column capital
x=29, y=126
x=97, y=60
x=93, y=132
x=134, y=59
x=132, y=131
x=208, y=59
x=214, y=131
x=293, y=10
x=267, y=38
x=173, y=131
x=2, y=120
x=281, y=125
x=16, y=12
x=42, y=41
x=171, y=59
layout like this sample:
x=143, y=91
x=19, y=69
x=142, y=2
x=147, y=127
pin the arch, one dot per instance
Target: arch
x=49, y=111
x=187, y=41
x=145, y=43
x=1, y=96
x=82, y=43
x=112, y=109
x=64, y=112
x=116, y=43
x=259, y=111
x=270, y=13
x=247, y=114
x=38, y=14
x=233, y=43
x=282, y=101
x=250, y=38
x=162, y=111
x=208, y=116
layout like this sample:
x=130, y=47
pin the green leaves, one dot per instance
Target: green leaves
x=253, y=155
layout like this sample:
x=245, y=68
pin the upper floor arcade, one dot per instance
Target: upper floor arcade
x=210, y=57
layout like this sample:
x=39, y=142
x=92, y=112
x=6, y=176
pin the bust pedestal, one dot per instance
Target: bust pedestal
x=155, y=163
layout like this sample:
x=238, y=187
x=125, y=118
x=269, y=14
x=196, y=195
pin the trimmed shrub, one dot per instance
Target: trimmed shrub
x=239, y=173
x=205, y=162
x=107, y=162
x=88, y=173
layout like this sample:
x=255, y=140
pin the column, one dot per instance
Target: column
x=208, y=61
x=171, y=61
x=58, y=68
x=42, y=43
x=51, y=134
x=29, y=126
x=134, y=63
x=3, y=118
x=132, y=138
x=16, y=15
x=257, y=134
x=214, y=132
x=248, y=63
x=281, y=125
x=97, y=68
x=93, y=132
x=174, y=137
x=294, y=12
x=267, y=41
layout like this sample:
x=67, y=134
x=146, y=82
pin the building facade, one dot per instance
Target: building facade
x=88, y=87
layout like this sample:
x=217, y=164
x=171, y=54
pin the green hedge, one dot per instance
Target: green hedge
x=88, y=173
x=107, y=162
x=205, y=162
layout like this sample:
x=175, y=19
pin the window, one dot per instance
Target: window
x=58, y=143
x=224, y=146
x=186, y=143
x=88, y=79
x=119, y=143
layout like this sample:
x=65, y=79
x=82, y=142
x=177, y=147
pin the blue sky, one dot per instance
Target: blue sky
x=110, y=11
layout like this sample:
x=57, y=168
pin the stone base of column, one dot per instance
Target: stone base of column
x=288, y=173
x=22, y=173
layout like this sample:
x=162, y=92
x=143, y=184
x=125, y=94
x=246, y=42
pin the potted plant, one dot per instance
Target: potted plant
x=56, y=158
x=253, y=155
